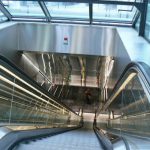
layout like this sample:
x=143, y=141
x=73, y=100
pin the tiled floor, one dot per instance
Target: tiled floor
x=73, y=140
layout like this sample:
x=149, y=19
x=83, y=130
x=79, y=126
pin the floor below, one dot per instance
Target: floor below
x=81, y=139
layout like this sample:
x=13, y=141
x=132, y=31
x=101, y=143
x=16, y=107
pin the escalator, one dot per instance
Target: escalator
x=81, y=139
x=31, y=116
x=27, y=111
x=129, y=107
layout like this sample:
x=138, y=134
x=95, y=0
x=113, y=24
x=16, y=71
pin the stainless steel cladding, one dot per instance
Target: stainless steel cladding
x=70, y=39
x=9, y=40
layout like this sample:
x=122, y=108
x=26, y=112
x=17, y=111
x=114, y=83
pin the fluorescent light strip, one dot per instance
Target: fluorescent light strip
x=30, y=62
x=44, y=63
x=30, y=93
x=119, y=90
x=15, y=76
x=123, y=85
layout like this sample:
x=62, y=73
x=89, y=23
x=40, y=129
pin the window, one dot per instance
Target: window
x=71, y=11
x=137, y=25
x=2, y=17
x=147, y=26
x=23, y=8
x=68, y=10
x=115, y=13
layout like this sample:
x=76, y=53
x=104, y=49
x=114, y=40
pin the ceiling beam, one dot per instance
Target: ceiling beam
x=143, y=12
x=90, y=1
x=91, y=12
x=5, y=11
x=45, y=10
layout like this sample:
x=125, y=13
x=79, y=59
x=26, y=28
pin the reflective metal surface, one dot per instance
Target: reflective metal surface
x=9, y=40
x=138, y=143
x=71, y=76
x=61, y=69
x=81, y=39
x=121, y=43
x=90, y=40
x=4, y=131
x=131, y=142
x=119, y=145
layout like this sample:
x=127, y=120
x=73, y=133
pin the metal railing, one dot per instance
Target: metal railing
x=23, y=101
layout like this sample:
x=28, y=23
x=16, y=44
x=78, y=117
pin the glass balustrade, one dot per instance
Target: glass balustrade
x=134, y=108
x=22, y=103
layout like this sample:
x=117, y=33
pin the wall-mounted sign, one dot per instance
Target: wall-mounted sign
x=66, y=40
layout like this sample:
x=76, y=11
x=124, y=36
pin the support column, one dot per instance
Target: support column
x=143, y=12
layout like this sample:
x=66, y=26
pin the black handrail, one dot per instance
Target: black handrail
x=106, y=143
x=10, y=140
x=17, y=70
